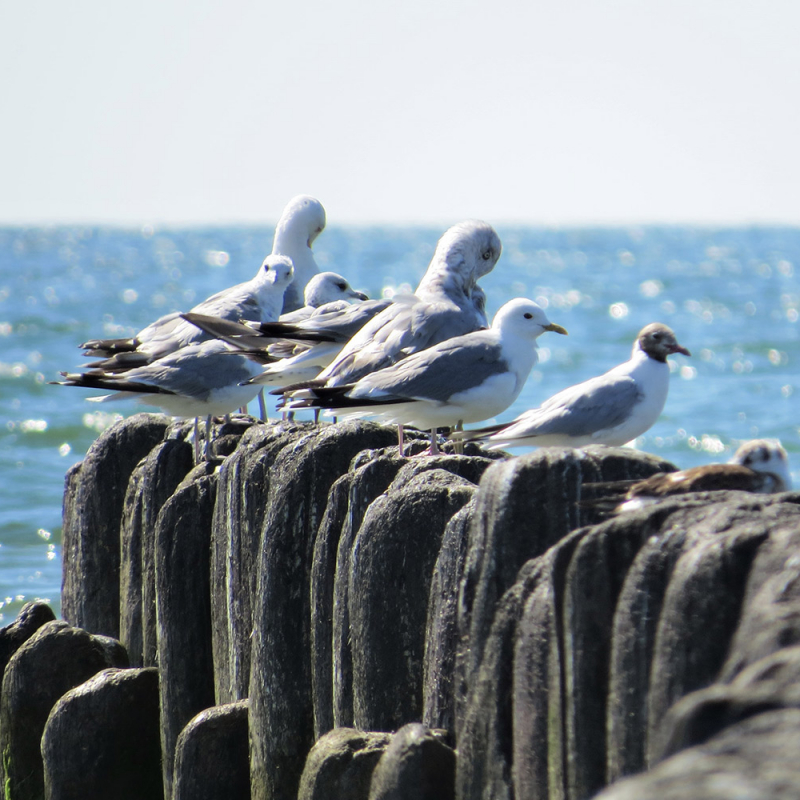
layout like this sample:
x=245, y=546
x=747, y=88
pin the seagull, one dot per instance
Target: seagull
x=611, y=409
x=199, y=380
x=325, y=292
x=465, y=378
x=760, y=466
x=447, y=303
x=260, y=298
x=302, y=221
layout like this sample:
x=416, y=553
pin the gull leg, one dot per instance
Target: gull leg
x=400, y=439
x=316, y=415
x=433, y=449
x=262, y=406
x=458, y=444
x=196, y=441
x=207, y=448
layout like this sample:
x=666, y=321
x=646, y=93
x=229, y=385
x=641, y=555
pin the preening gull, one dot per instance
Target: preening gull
x=465, y=378
x=260, y=298
x=611, y=409
x=302, y=221
x=447, y=303
x=760, y=466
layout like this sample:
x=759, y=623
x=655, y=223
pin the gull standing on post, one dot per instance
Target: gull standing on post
x=199, y=380
x=611, y=409
x=465, y=378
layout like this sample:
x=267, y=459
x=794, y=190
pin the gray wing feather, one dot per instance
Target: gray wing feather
x=598, y=405
x=195, y=370
x=436, y=374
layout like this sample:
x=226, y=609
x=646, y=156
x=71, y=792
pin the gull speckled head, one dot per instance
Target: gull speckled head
x=659, y=341
x=765, y=455
x=278, y=270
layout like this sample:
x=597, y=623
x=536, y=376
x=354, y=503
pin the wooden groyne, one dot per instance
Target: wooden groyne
x=311, y=616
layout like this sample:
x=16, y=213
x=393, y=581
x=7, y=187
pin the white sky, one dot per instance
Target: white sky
x=565, y=111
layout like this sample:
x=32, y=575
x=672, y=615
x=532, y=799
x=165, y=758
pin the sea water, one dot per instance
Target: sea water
x=732, y=295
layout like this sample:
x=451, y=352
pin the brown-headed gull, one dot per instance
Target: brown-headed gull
x=465, y=378
x=611, y=409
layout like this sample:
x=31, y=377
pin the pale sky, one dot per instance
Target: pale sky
x=558, y=112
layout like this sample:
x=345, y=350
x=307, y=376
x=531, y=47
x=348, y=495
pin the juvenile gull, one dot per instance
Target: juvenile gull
x=465, y=378
x=260, y=298
x=760, y=466
x=447, y=303
x=611, y=409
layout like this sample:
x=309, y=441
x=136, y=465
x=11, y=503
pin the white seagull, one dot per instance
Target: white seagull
x=326, y=292
x=447, y=303
x=611, y=409
x=260, y=298
x=465, y=378
x=302, y=221
x=200, y=380
x=760, y=466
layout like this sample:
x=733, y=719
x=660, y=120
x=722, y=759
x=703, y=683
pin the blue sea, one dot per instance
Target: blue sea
x=732, y=295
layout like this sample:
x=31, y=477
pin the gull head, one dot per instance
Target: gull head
x=469, y=249
x=303, y=219
x=328, y=287
x=658, y=341
x=765, y=455
x=278, y=271
x=524, y=319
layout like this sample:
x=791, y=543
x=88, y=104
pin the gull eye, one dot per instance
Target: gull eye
x=486, y=255
x=528, y=315
x=341, y=286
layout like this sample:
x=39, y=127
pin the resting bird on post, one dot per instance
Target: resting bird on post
x=200, y=380
x=760, y=466
x=611, y=409
x=466, y=378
